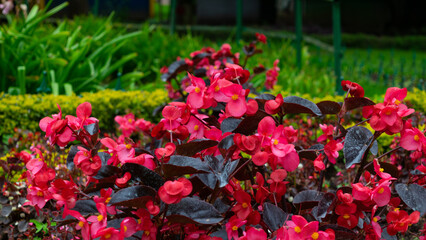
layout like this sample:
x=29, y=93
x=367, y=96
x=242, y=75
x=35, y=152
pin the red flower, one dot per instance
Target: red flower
x=122, y=182
x=347, y=217
x=261, y=38
x=243, y=207
x=233, y=225
x=274, y=106
x=152, y=208
x=276, y=184
x=399, y=220
x=173, y=191
x=360, y=192
x=166, y=152
x=89, y=164
x=56, y=129
x=107, y=234
x=271, y=76
x=354, y=89
x=247, y=144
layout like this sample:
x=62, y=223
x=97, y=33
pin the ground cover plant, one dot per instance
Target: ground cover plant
x=224, y=162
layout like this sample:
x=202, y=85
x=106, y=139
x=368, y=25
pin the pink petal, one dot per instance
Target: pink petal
x=84, y=110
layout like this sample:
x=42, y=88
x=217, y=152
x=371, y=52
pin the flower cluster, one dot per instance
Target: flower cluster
x=225, y=163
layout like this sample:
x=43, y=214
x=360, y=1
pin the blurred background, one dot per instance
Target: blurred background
x=378, y=43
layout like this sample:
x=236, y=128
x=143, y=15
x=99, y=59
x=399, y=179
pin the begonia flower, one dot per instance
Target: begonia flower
x=173, y=191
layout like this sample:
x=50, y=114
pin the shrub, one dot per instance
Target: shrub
x=25, y=111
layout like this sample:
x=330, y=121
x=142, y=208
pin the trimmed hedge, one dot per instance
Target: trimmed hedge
x=25, y=111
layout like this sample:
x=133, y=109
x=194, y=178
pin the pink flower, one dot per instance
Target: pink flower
x=196, y=92
x=331, y=149
x=236, y=105
x=412, y=139
x=126, y=124
x=82, y=224
x=127, y=227
x=328, y=131
x=37, y=196
x=381, y=194
x=99, y=222
x=195, y=127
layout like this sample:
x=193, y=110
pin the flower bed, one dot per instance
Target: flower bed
x=227, y=162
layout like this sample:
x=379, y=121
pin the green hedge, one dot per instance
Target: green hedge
x=25, y=111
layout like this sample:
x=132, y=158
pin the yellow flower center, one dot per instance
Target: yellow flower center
x=40, y=194
x=275, y=141
x=130, y=120
x=234, y=228
x=81, y=224
x=381, y=190
x=245, y=205
x=381, y=169
x=107, y=200
x=197, y=90
x=416, y=137
x=346, y=216
x=100, y=217
x=235, y=97
x=85, y=154
x=297, y=229
x=315, y=235
x=375, y=219
x=128, y=146
x=196, y=127
x=146, y=233
x=125, y=229
x=396, y=210
x=397, y=102
x=388, y=112
x=108, y=236
x=139, y=221
x=216, y=89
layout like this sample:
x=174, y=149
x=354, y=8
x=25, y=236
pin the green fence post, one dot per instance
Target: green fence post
x=298, y=31
x=96, y=8
x=239, y=33
x=43, y=86
x=118, y=83
x=173, y=16
x=337, y=42
x=21, y=80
